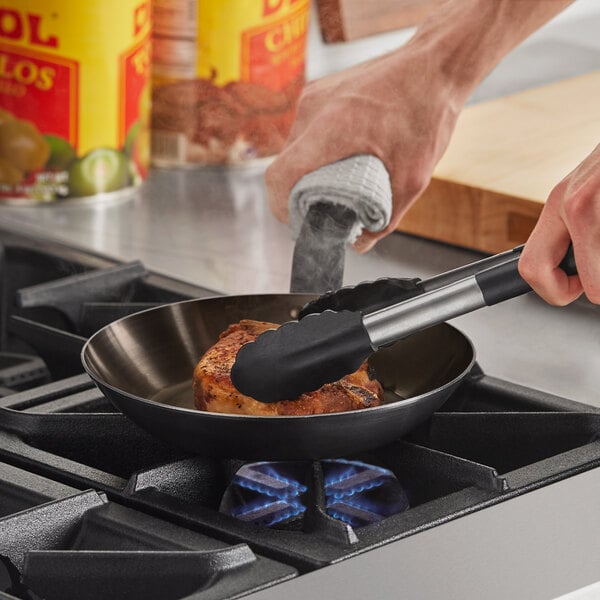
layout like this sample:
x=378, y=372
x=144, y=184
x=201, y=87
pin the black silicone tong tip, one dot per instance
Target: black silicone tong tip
x=365, y=297
x=335, y=343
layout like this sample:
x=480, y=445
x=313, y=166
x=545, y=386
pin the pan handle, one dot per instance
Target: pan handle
x=328, y=208
x=320, y=249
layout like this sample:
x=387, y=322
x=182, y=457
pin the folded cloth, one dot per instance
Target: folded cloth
x=360, y=182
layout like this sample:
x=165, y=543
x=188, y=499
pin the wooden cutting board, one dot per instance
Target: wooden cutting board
x=505, y=157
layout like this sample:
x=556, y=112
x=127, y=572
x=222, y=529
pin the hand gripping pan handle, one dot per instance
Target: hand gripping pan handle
x=329, y=208
x=301, y=356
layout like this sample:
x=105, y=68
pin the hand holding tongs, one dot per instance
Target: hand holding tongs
x=322, y=347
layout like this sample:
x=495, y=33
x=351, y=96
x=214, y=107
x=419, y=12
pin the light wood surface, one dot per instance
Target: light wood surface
x=505, y=157
x=345, y=20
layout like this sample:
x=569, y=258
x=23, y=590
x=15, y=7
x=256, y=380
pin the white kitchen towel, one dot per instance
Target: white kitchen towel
x=359, y=182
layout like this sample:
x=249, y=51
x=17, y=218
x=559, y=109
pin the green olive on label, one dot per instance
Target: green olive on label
x=101, y=170
x=23, y=146
x=62, y=153
x=9, y=174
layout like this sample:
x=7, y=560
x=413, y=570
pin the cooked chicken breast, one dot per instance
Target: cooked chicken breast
x=214, y=392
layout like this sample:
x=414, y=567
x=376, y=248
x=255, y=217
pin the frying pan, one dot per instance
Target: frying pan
x=143, y=364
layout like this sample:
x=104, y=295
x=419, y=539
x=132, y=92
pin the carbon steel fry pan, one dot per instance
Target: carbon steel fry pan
x=143, y=364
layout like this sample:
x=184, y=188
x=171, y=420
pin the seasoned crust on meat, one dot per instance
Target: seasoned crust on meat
x=214, y=392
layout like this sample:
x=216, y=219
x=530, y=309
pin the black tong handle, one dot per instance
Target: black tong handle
x=504, y=281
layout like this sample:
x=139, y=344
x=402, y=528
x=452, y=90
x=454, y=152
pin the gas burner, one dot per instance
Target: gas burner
x=275, y=494
x=266, y=493
x=360, y=494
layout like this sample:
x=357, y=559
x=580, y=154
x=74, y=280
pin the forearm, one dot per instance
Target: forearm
x=465, y=39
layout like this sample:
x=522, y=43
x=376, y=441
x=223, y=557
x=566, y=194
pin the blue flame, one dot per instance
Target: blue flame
x=358, y=503
x=335, y=476
x=263, y=489
x=271, y=471
x=248, y=477
x=340, y=516
x=355, y=490
x=269, y=513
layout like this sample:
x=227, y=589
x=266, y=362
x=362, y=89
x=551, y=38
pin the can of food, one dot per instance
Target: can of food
x=226, y=78
x=74, y=98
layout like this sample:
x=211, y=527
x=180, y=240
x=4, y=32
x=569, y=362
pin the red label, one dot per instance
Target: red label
x=42, y=89
x=273, y=55
x=134, y=78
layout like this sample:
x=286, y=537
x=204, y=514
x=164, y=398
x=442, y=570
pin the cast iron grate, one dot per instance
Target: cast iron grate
x=53, y=298
x=60, y=543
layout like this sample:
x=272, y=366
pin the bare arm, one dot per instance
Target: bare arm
x=469, y=37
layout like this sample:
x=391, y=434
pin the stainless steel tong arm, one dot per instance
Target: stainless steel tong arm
x=395, y=322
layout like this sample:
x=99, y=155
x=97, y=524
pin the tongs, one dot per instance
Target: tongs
x=325, y=344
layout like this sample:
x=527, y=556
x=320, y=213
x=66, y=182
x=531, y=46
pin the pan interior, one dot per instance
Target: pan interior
x=423, y=362
x=152, y=354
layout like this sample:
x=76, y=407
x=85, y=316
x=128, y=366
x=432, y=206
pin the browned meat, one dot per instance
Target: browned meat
x=214, y=392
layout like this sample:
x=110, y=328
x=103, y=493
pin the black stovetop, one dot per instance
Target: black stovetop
x=91, y=506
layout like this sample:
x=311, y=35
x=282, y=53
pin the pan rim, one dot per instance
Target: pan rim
x=99, y=381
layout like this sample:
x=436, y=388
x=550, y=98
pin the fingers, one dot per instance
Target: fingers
x=571, y=214
x=366, y=240
x=545, y=249
x=582, y=215
x=306, y=153
x=538, y=265
x=277, y=191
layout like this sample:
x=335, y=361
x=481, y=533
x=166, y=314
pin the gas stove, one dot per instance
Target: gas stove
x=92, y=506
